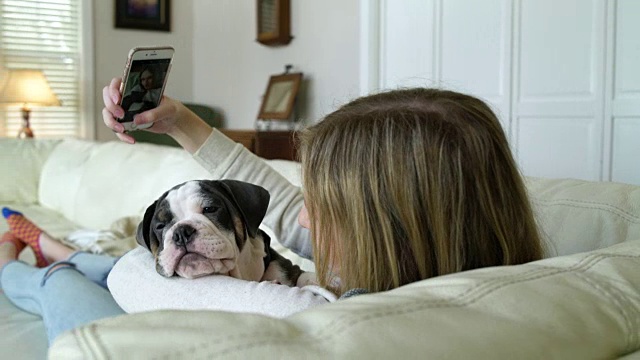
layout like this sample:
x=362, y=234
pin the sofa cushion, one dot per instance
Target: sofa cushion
x=574, y=307
x=21, y=162
x=576, y=215
x=23, y=334
x=95, y=184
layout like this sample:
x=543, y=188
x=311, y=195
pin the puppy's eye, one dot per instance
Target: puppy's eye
x=209, y=209
x=160, y=226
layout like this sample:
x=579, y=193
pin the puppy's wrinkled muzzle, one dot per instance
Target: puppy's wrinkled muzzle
x=198, y=250
x=194, y=265
x=183, y=235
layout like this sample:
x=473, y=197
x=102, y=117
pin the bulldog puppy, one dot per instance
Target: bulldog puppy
x=207, y=227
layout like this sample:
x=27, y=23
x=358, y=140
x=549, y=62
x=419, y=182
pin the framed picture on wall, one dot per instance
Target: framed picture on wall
x=143, y=14
x=280, y=96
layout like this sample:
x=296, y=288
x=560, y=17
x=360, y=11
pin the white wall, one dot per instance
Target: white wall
x=112, y=46
x=231, y=69
x=219, y=63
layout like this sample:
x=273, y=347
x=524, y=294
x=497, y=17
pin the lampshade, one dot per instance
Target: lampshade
x=27, y=87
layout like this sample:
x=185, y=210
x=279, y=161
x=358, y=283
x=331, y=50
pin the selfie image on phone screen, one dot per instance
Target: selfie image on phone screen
x=143, y=86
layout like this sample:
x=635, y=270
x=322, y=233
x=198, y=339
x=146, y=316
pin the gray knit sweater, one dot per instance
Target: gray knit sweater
x=226, y=159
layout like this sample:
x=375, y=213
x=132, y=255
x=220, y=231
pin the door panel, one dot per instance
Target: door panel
x=553, y=147
x=625, y=163
x=558, y=98
x=406, y=50
x=562, y=75
x=475, y=51
x=626, y=150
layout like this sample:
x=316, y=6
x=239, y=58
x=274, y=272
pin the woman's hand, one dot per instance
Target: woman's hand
x=171, y=117
x=164, y=117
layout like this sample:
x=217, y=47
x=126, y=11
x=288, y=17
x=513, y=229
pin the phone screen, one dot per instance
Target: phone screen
x=143, y=88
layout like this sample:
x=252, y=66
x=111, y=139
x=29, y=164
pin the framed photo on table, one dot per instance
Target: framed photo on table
x=280, y=97
x=143, y=14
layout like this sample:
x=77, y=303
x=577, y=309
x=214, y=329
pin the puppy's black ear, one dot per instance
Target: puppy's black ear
x=145, y=235
x=252, y=201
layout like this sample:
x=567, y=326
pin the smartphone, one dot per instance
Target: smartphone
x=144, y=79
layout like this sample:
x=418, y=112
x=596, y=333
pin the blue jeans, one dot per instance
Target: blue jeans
x=72, y=295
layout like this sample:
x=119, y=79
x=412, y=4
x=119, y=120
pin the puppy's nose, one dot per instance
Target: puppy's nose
x=183, y=234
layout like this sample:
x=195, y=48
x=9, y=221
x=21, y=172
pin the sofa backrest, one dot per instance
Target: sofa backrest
x=577, y=216
x=21, y=162
x=93, y=184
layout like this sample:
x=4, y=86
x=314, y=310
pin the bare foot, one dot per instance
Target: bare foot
x=52, y=249
x=8, y=253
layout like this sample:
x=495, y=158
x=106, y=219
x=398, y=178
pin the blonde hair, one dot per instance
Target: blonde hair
x=409, y=184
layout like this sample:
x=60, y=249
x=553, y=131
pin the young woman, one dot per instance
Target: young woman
x=398, y=187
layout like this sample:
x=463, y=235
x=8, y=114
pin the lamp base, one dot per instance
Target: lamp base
x=25, y=132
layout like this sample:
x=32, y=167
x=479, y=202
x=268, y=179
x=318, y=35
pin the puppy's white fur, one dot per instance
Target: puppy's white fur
x=212, y=251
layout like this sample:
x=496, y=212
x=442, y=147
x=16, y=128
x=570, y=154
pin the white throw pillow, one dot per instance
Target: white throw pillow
x=137, y=287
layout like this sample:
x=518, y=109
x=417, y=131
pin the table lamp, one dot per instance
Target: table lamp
x=27, y=88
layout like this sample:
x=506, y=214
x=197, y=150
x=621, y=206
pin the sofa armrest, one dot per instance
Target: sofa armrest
x=574, y=307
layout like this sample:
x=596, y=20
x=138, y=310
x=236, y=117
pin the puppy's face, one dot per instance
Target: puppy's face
x=200, y=227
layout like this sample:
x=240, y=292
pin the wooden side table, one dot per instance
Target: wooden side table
x=266, y=144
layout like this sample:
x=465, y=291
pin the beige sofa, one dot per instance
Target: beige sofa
x=582, y=302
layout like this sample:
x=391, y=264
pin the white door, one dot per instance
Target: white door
x=623, y=110
x=545, y=66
